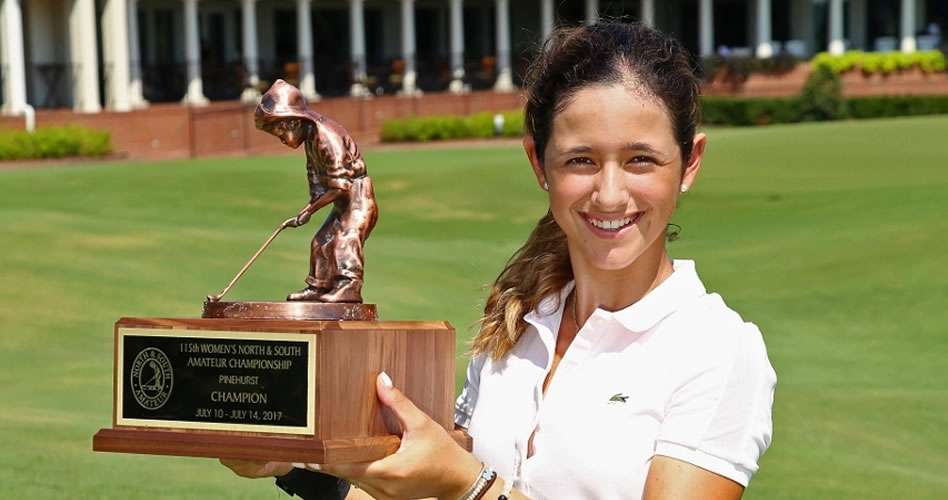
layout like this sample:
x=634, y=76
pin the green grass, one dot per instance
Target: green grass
x=831, y=237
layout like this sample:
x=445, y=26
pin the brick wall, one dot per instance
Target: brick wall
x=168, y=131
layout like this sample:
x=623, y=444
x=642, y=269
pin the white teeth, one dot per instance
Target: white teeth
x=611, y=224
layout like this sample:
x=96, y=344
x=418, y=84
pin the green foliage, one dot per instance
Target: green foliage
x=929, y=61
x=54, y=142
x=743, y=112
x=932, y=61
x=887, y=107
x=821, y=103
x=837, y=63
x=822, y=96
x=428, y=128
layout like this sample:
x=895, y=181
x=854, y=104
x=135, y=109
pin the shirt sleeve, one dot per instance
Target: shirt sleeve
x=464, y=406
x=718, y=416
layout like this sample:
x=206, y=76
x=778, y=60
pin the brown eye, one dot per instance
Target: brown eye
x=644, y=160
x=579, y=161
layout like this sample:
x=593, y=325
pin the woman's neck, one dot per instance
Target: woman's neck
x=613, y=290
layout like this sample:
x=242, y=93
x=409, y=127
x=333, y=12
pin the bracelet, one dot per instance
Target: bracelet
x=485, y=478
x=490, y=482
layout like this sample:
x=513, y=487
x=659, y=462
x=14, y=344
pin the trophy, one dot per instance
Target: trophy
x=294, y=380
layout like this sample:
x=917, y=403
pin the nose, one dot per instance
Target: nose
x=610, y=192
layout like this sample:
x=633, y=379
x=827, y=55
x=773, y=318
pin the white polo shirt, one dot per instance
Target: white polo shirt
x=677, y=374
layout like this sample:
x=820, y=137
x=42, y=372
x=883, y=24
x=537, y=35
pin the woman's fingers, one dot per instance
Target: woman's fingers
x=407, y=414
x=256, y=468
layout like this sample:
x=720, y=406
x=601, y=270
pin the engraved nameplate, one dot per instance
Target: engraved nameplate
x=216, y=380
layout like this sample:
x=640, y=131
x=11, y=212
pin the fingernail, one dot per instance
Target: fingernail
x=315, y=467
x=386, y=380
x=299, y=465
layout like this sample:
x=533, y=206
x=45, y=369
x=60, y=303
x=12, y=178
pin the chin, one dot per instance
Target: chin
x=616, y=261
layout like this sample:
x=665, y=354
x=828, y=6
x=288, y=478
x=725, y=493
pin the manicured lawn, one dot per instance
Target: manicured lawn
x=831, y=237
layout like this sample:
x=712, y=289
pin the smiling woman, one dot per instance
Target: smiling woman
x=602, y=369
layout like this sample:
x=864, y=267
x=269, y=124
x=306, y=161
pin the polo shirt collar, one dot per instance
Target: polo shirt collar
x=548, y=315
x=680, y=288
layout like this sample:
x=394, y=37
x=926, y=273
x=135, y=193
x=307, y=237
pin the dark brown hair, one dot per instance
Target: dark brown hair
x=572, y=59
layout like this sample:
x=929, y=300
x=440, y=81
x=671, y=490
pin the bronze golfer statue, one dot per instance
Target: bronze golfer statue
x=337, y=176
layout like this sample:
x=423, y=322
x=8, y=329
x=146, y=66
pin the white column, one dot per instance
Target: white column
x=836, y=44
x=857, y=24
x=409, y=79
x=12, y=61
x=457, y=85
x=192, y=55
x=115, y=48
x=706, y=27
x=304, y=35
x=592, y=11
x=546, y=18
x=764, y=47
x=357, y=48
x=648, y=12
x=85, y=58
x=908, y=26
x=504, y=81
x=135, y=58
x=248, y=10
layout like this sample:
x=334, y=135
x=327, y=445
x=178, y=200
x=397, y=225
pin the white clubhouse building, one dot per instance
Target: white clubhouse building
x=90, y=55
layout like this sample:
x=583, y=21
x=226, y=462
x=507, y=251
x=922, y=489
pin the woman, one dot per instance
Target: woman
x=602, y=368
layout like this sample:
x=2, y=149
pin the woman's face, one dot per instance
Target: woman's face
x=614, y=173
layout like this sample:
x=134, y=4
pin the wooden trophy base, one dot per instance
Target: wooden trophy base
x=277, y=390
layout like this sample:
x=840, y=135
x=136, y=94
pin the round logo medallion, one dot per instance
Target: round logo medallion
x=152, y=378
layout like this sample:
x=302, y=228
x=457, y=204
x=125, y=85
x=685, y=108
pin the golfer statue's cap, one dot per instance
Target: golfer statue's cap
x=281, y=102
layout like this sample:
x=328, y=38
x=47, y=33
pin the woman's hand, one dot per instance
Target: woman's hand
x=254, y=469
x=427, y=464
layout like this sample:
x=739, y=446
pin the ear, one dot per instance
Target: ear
x=530, y=147
x=694, y=163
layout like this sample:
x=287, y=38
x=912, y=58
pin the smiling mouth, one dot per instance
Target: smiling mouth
x=614, y=225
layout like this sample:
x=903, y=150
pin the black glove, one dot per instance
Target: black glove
x=312, y=485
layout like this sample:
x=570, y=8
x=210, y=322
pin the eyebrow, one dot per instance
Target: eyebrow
x=631, y=146
x=641, y=146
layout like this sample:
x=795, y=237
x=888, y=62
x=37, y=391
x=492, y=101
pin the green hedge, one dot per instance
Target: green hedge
x=815, y=105
x=888, y=107
x=929, y=61
x=54, y=142
x=736, y=111
x=428, y=128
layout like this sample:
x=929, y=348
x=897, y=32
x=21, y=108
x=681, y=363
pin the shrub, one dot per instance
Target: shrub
x=740, y=112
x=54, y=142
x=822, y=96
x=714, y=111
x=427, y=128
x=884, y=107
x=885, y=62
x=734, y=111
